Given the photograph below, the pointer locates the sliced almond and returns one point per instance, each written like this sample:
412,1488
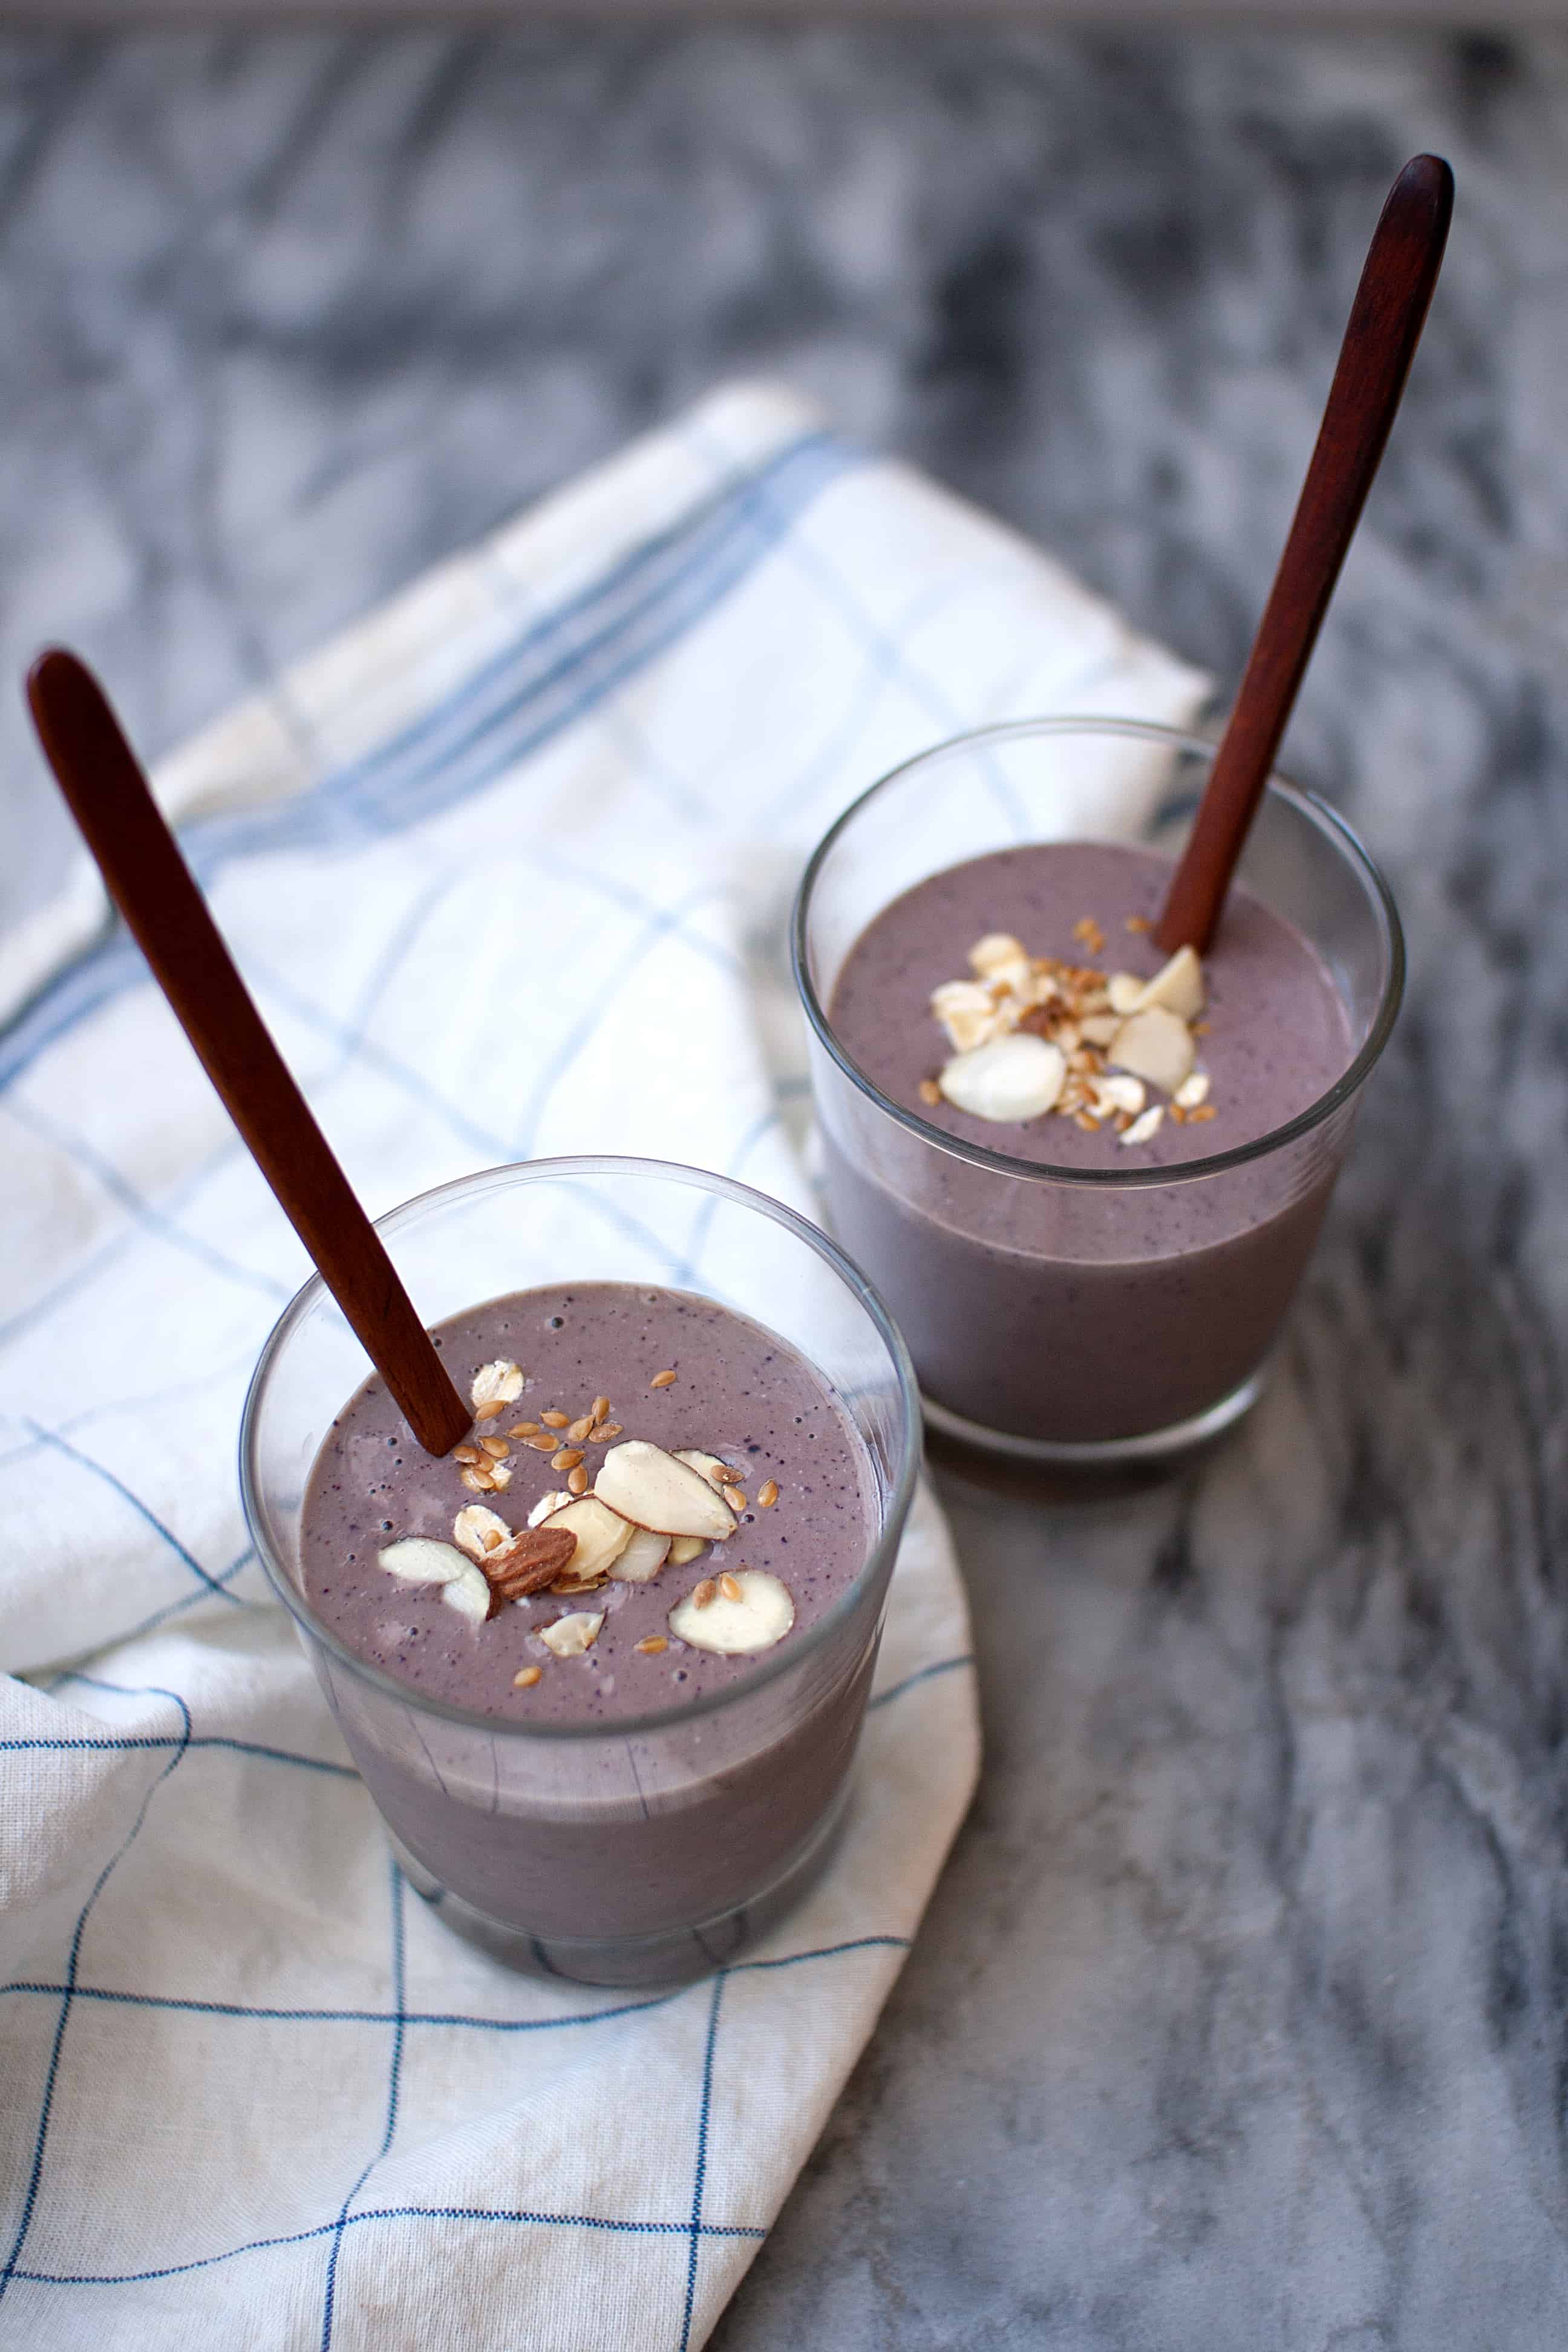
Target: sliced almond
1119,1093
496,1384
718,1475
469,1595
499,1475
570,1636
1143,1131
684,1549
601,1534
478,1530
1155,1045
1193,1090
1178,985
423,1559
761,1616
642,1558
547,1505
653,1489
966,1012
997,948
1013,1079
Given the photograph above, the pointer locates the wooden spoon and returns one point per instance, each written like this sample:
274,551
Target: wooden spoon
1385,324
151,883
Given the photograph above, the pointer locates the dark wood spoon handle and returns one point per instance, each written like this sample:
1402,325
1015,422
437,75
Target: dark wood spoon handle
1385,324
111,801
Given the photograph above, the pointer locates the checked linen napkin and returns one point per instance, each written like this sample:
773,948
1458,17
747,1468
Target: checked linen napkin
253,2094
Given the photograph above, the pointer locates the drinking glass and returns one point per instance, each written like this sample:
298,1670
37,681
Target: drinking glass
651,1848
1009,1277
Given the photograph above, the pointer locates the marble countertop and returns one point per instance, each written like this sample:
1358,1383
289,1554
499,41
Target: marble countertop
1239,2017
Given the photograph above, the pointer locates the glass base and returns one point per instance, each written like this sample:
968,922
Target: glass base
1151,1447
674,1956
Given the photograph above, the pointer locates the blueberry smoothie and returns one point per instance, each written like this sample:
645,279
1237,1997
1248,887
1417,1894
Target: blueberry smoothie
658,1501
1017,1002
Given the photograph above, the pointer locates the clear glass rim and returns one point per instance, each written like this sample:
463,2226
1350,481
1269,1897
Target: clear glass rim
1307,805
567,1169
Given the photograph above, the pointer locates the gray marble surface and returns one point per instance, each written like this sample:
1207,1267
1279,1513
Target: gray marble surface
1238,2020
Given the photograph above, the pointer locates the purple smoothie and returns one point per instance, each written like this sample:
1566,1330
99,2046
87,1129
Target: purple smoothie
1055,1311
540,1835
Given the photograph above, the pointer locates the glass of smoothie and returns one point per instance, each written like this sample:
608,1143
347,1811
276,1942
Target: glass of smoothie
603,1667
1085,1177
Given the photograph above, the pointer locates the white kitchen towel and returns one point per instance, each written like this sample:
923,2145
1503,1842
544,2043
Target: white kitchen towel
507,866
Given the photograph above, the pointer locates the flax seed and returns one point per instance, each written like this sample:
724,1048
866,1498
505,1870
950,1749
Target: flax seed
466,1453
728,1587
577,1482
651,1645
567,1459
528,1677
553,1420
662,1381
542,1444
489,1412
579,1428
524,1429
704,1593
496,1447
1203,1111
767,1493
603,1431
930,1091
600,1409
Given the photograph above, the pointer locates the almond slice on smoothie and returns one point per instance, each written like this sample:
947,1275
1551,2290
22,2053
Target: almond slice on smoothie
652,1489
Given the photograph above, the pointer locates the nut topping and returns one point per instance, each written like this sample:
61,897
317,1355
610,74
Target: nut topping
496,1384
760,1615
